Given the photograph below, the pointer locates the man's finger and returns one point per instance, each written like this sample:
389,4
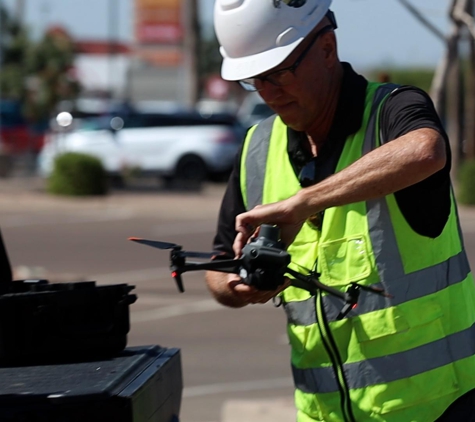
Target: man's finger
243,226
239,243
247,222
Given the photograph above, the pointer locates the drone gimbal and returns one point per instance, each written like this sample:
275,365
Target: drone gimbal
264,263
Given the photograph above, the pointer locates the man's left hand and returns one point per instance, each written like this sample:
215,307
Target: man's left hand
283,214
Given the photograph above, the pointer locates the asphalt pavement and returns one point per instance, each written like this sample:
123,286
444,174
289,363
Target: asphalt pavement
19,192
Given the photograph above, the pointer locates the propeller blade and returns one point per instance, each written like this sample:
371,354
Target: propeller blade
154,243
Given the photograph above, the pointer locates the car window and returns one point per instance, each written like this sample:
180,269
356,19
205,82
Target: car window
10,114
145,120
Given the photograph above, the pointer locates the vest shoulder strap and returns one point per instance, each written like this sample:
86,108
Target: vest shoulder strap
256,160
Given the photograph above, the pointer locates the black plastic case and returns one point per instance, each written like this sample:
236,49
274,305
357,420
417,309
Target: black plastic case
141,384
42,322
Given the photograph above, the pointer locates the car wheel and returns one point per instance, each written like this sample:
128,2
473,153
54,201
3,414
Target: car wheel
220,177
191,168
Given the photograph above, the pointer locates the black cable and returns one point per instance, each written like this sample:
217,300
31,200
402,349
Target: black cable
334,355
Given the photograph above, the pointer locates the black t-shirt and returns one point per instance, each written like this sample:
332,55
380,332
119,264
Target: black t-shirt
425,205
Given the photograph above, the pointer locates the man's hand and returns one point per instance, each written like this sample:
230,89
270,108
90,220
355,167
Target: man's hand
251,295
229,290
288,215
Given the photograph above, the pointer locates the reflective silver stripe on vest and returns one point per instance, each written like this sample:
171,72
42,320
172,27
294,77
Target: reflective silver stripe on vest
256,160
390,368
411,286
381,231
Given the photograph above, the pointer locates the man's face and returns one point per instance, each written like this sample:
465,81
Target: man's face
301,104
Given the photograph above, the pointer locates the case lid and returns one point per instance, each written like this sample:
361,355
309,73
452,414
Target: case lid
66,383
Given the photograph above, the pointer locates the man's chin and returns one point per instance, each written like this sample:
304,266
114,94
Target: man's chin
293,122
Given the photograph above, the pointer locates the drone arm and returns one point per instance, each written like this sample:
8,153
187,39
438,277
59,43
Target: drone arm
224,266
311,284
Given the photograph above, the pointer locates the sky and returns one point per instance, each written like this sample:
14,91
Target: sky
372,33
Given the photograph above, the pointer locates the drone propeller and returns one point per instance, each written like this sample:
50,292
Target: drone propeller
156,243
178,257
165,245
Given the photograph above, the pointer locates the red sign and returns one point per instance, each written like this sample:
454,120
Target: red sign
157,33
158,21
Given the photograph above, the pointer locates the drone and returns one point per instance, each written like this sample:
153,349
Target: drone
264,264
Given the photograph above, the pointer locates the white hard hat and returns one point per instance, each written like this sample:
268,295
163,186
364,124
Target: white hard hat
257,35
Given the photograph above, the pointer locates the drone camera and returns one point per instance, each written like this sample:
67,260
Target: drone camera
265,259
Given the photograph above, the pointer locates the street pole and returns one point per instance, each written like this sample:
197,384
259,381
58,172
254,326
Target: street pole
469,122
112,29
191,48
20,11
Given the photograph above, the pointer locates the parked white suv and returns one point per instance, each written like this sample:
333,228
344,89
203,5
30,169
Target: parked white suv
183,145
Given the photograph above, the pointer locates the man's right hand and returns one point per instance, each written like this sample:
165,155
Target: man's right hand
230,290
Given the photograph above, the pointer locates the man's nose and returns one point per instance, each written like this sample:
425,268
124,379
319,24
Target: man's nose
268,91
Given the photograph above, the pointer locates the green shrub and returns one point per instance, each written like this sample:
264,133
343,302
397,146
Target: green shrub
420,77
77,174
466,178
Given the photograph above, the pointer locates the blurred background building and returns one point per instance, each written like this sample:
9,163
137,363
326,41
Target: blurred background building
54,54
165,57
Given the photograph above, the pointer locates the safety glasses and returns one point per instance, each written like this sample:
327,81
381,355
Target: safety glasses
286,75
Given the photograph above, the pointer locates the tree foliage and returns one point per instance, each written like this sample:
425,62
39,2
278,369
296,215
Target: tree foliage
419,77
36,73
14,44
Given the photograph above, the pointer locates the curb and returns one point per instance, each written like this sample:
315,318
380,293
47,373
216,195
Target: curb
275,410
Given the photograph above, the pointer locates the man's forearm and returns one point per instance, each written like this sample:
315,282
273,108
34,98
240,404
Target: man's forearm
388,169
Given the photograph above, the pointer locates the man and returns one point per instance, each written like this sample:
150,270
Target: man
356,175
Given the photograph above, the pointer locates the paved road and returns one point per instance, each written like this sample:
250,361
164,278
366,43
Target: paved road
227,354
235,362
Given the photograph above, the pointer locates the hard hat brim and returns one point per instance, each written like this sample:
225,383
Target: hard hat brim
236,69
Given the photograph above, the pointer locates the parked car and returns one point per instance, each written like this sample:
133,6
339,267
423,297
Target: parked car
180,145
17,136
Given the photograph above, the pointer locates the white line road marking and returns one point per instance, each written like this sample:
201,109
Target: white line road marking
231,387
207,305
171,228
134,276
66,218
177,310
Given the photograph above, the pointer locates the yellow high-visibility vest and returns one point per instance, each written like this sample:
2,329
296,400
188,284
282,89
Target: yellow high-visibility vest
399,359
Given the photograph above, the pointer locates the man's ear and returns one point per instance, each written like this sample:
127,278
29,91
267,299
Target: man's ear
329,48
